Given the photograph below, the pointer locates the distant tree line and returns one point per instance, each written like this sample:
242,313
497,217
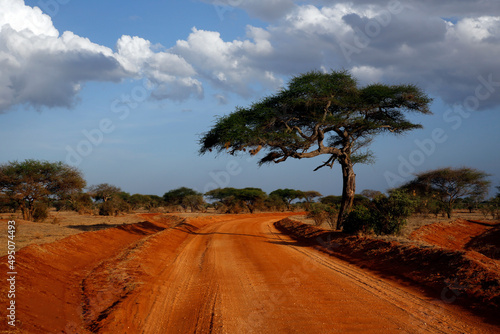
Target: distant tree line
32,187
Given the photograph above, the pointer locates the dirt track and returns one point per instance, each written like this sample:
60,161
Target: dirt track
238,274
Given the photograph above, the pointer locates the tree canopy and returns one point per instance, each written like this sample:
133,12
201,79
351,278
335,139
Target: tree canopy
288,195
319,114
448,184
32,182
184,197
230,197
104,192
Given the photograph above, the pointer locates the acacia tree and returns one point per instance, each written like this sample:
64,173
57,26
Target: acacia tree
287,195
232,197
449,184
319,114
104,192
32,182
184,197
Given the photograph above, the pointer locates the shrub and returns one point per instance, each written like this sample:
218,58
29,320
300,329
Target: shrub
317,213
40,212
491,208
391,212
360,219
113,207
322,213
107,209
383,215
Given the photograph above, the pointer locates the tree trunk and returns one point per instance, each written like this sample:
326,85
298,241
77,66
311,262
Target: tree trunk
27,209
348,191
449,209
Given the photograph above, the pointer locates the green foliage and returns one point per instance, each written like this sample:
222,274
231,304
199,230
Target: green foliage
137,201
184,197
275,203
391,212
80,202
371,194
449,184
113,207
315,104
195,202
104,192
491,208
40,212
318,113
288,195
107,209
32,181
7,204
360,219
235,200
323,213
331,200
383,215
152,202
337,200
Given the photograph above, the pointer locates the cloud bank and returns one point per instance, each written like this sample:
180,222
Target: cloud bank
446,47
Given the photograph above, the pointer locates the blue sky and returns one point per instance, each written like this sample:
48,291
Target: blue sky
123,89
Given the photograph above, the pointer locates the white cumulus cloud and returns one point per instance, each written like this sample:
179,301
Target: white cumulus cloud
231,66
446,47
39,67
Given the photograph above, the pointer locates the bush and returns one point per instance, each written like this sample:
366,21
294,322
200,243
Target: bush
40,212
322,213
491,208
317,212
360,219
7,204
383,215
113,207
391,212
107,209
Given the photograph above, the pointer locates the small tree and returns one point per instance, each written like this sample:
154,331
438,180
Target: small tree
235,199
180,197
275,203
287,195
32,183
103,192
137,201
80,202
449,184
309,196
195,202
371,194
321,213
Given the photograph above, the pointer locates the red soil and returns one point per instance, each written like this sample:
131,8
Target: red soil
452,235
218,274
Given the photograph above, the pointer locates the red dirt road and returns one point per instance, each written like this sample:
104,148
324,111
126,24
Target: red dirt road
238,274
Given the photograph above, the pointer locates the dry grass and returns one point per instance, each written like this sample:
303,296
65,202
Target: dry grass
57,226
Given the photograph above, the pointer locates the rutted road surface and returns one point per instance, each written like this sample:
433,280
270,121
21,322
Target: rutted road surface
241,275
221,274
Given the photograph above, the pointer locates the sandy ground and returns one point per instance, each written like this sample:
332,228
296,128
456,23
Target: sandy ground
213,274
